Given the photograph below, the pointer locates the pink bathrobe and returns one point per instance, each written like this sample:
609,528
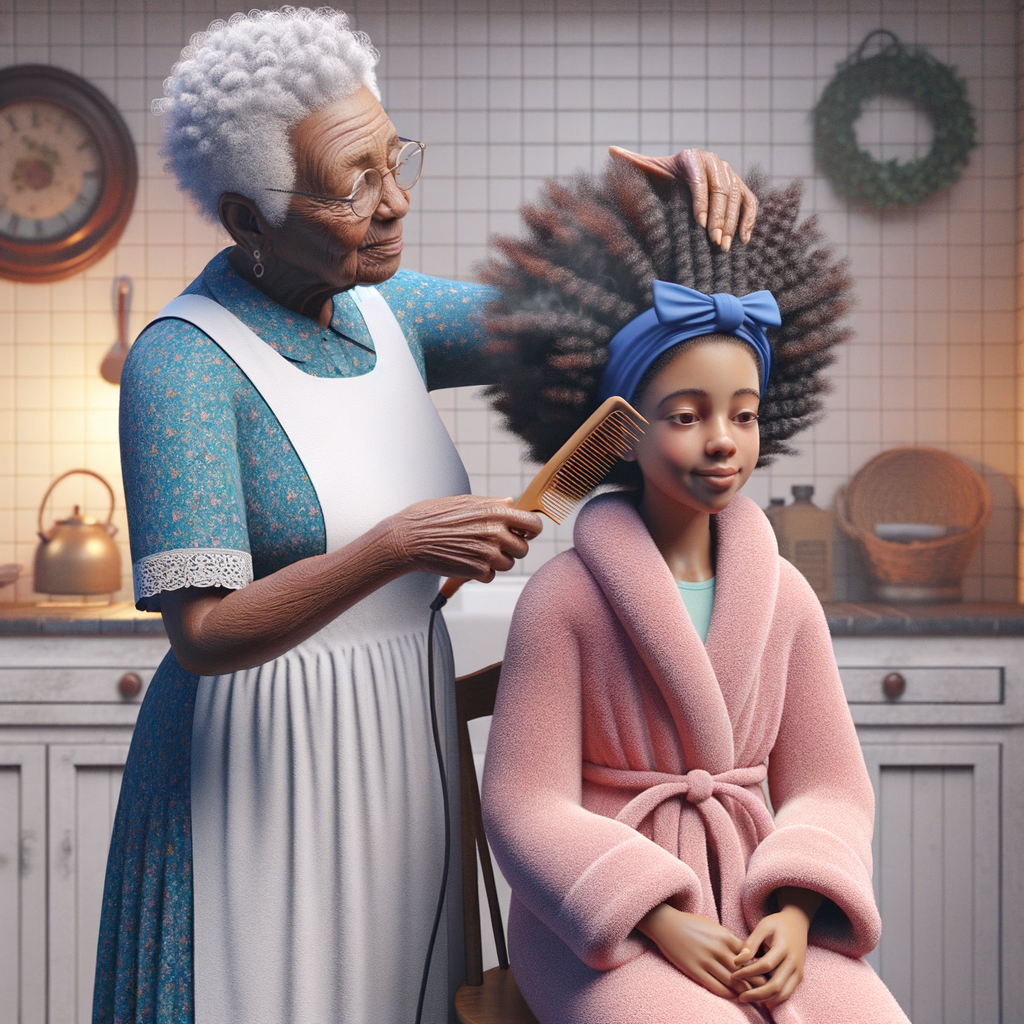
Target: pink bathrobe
622,751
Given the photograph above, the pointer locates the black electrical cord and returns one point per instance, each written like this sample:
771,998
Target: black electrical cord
435,606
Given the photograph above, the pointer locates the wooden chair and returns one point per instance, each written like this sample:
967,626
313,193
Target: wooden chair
486,997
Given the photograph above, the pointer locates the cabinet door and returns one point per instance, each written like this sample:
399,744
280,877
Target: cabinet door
22,884
84,784
936,877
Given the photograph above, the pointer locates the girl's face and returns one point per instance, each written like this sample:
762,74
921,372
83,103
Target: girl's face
702,443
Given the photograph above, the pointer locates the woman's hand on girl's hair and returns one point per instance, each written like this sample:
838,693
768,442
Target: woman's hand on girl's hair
785,936
699,947
719,193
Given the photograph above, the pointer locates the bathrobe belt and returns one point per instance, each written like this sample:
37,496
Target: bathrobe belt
700,788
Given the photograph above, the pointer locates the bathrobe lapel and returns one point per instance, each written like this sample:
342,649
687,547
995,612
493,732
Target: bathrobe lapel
746,590
706,689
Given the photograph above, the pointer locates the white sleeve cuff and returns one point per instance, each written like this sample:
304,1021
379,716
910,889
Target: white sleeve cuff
189,567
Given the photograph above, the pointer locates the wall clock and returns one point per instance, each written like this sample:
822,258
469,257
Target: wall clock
68,173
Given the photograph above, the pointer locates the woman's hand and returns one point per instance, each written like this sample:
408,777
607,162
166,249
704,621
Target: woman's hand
215,631
785,936
719,193
466,536
701,948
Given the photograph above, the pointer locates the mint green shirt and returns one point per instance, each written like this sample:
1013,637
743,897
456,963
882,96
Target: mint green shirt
699,599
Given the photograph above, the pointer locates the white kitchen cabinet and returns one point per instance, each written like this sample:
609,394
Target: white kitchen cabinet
85,780
946,759
23,883
936,850
64,734
947,765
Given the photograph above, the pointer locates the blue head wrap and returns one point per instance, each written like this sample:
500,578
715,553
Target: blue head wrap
680,313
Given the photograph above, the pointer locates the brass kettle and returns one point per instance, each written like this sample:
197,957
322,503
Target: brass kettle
78,554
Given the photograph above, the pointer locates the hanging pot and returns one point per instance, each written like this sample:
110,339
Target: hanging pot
77,555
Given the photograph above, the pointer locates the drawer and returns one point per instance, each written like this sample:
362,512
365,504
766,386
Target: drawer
972,684
61,685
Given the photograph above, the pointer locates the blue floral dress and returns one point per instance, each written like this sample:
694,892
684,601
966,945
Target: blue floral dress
216,496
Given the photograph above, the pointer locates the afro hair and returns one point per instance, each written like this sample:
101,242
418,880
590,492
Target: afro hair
594,246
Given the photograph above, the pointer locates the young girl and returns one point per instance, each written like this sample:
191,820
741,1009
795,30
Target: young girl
657,673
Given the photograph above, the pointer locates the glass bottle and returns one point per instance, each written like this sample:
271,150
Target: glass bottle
804,534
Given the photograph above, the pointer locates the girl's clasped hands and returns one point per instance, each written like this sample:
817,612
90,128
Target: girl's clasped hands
726,965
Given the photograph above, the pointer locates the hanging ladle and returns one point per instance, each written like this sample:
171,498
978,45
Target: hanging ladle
113,361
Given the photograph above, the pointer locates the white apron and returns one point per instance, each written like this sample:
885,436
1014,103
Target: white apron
317,825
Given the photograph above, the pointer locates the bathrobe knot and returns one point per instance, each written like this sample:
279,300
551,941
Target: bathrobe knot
698,787
702,786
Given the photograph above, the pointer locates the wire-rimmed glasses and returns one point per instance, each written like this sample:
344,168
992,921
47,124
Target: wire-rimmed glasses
369,186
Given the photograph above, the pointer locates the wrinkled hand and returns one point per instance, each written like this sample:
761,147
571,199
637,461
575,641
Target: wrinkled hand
466,536
719,193
701,948
785,935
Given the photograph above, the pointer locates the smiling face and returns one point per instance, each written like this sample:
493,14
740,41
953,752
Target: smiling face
326,241
702,443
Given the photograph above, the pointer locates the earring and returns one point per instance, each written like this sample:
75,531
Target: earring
258,267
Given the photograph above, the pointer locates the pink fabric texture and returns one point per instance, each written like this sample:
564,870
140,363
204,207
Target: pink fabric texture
622,750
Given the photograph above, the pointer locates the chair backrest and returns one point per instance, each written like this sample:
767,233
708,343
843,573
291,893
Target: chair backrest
474,698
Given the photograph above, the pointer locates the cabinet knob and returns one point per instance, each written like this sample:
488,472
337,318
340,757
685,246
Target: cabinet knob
130,684
893,685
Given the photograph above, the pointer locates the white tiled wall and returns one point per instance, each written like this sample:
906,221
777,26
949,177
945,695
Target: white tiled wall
507,92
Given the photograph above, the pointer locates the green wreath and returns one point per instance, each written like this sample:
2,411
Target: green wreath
896,70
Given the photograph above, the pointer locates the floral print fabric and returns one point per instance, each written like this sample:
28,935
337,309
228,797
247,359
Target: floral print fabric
208,468
205,462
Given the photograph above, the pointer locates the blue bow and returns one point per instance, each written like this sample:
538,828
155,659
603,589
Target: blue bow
680,313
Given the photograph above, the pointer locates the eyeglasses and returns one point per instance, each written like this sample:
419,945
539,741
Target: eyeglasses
369,186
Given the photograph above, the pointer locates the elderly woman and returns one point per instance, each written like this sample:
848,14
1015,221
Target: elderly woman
293,498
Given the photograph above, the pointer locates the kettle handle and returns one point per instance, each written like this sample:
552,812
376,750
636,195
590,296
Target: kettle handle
72,472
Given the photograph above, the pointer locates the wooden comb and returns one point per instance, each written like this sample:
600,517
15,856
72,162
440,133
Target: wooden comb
578,466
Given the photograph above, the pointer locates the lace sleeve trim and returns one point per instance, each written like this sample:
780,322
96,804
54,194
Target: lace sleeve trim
190,567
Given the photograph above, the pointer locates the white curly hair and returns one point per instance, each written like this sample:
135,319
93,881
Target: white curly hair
239,89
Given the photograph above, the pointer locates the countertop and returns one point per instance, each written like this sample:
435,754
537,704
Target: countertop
962,619
844,619
77,620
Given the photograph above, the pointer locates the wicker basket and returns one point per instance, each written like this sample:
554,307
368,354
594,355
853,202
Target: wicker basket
916,485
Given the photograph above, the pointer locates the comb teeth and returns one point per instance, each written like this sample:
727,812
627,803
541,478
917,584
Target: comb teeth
589,464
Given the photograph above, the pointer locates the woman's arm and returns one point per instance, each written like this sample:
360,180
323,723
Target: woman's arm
442,318
188,518
215,631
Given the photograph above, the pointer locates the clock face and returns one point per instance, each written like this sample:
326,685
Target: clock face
68,173
50,171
